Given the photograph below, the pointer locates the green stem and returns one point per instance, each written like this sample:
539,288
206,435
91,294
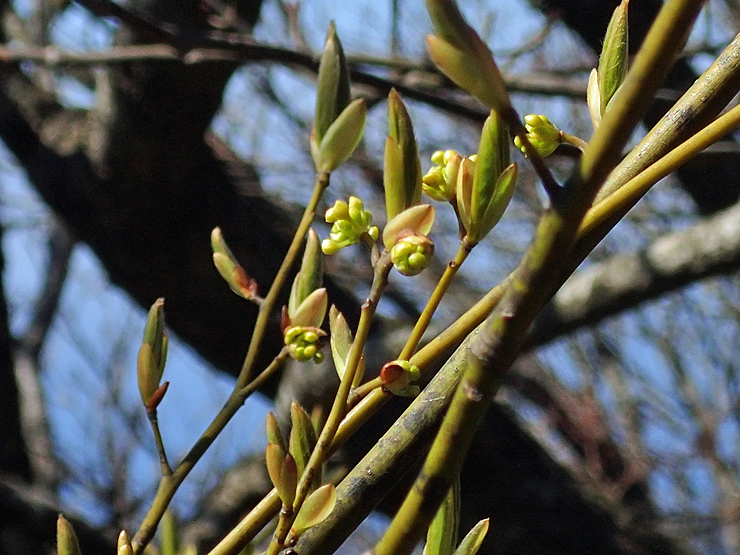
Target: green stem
267,306
169,484
426,316
164,465
573,140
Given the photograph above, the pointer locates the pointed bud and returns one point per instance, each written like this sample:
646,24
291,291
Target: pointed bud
342,137
67,543
333,94
614,56
152,353
311,274
461,55
230,270
317,508
474,71
473,540
124,544
274,435
401,168
302,440
274,457
592,98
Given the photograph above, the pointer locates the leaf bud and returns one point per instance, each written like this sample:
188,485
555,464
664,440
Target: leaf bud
613,60
226,264
401,167
152,354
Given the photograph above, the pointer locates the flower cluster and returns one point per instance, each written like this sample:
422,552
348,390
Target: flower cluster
543,135
349,222
304,343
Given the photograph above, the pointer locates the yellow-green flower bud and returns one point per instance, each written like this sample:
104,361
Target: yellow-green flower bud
614,56
440,181
397,377
412,253
304,343
544,136
152,353
349,223
66,539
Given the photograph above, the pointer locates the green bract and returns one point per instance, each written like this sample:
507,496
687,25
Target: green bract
341,138
310,276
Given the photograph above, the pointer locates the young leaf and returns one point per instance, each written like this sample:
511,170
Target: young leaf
302,438
317,507
442,533
473,540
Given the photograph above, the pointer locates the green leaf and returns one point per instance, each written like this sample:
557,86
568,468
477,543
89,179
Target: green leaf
124,544
402,172
473,540
302,439
442,533
343,136
311,274
419,219
340,339
317,507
